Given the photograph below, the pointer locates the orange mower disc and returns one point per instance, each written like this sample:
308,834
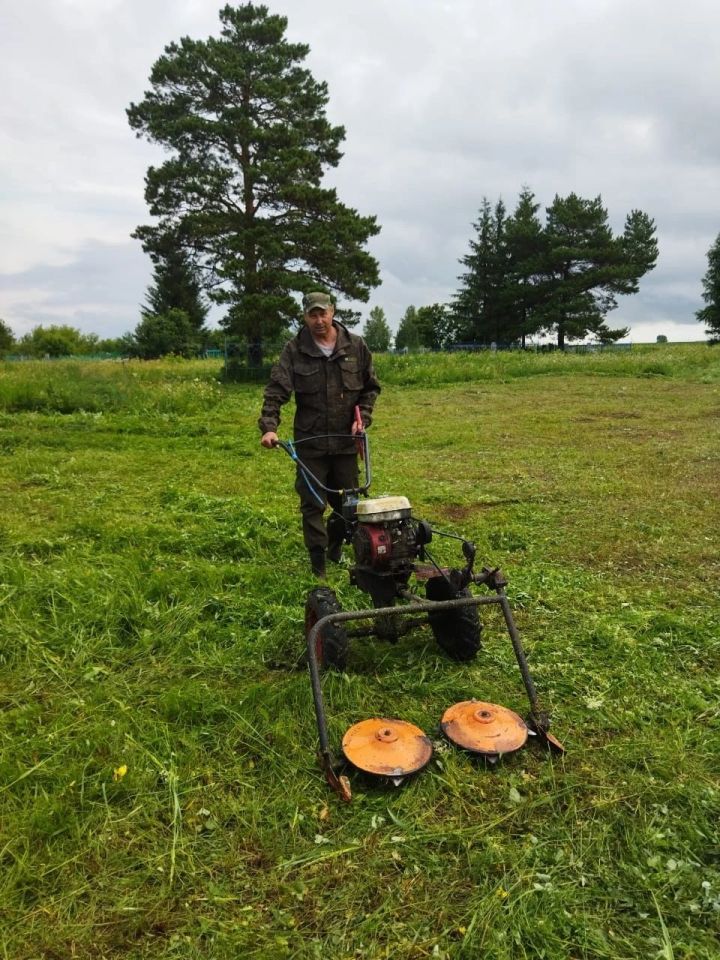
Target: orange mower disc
387,748
484,727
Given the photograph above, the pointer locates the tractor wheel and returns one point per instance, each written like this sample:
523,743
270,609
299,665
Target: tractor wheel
456,631
332,643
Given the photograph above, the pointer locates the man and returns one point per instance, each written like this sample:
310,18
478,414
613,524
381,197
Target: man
330,371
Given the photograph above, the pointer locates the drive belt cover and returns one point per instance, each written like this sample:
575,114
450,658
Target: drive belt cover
387,748
484,727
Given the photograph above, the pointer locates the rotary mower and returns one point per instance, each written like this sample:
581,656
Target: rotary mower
391,555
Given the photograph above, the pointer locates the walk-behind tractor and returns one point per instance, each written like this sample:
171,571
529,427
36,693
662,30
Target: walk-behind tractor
391,548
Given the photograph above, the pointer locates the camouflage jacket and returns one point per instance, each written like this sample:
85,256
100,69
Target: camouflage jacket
326,389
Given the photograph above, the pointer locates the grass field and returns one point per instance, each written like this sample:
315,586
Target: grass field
159,793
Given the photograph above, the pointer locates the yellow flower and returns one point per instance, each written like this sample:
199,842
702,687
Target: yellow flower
119,772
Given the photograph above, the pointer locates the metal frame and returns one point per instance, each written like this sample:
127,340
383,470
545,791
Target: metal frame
538,719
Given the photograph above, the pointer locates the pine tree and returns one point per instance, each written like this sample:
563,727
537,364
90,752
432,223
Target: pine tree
246,127
710,313
585,267
376,332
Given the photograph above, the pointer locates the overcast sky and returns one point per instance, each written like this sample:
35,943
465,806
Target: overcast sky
444,102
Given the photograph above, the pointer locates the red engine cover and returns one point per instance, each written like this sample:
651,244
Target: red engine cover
379,543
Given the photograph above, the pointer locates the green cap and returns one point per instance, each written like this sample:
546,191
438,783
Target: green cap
316,300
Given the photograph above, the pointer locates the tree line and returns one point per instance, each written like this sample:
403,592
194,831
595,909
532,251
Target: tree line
523,278
56,340
173,318
241,194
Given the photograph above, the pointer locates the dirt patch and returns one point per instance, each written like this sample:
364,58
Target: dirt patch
610,415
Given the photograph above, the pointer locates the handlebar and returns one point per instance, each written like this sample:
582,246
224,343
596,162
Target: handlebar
363,449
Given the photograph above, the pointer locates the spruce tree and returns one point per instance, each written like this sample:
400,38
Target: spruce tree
710,313
478,309
376,332
524,292
578,238
638,251
249,141
408,335
176,285
469,303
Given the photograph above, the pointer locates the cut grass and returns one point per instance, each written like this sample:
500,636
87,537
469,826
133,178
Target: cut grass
152,582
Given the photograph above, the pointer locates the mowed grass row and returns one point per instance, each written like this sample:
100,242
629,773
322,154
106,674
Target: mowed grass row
159,793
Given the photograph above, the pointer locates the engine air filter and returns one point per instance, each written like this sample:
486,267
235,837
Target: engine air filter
382,509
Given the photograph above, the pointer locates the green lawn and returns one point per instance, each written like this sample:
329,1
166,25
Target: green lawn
159,792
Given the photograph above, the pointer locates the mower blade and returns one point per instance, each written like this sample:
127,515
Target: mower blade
538,725
552,742
340,784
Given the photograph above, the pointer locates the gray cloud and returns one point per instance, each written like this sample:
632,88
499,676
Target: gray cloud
443,103
98,291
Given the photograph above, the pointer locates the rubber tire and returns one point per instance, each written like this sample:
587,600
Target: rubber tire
457,631
333,643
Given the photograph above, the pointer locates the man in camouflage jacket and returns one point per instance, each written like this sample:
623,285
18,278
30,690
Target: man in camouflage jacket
330,371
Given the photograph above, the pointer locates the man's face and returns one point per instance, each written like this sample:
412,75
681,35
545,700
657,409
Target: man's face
319,321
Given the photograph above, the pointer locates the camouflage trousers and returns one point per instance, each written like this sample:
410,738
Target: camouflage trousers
339,472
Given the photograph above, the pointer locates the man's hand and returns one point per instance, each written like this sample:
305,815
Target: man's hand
269,439
357,424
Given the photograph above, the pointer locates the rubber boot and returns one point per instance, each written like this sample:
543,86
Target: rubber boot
336,538
334,553
317,561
